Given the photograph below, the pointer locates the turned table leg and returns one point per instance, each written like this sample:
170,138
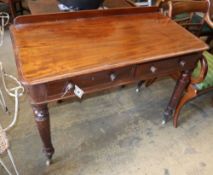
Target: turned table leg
181,85
43,124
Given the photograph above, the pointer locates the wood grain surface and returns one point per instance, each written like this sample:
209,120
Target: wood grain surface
47,51
98,50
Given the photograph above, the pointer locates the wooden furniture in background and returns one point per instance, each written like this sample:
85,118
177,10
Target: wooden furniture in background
61,53
51,6
191,5
185,14
118,3
202,82
209,20
210,13
15,7
43,6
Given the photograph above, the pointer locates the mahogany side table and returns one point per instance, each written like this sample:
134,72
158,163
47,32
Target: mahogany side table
64,55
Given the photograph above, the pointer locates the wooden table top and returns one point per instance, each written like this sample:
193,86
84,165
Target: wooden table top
51,6
55,46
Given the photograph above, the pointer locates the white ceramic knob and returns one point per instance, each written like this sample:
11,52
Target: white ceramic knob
153,69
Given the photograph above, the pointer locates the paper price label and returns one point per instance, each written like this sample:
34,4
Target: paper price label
78,92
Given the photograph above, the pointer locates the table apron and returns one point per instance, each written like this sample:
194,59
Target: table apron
102,80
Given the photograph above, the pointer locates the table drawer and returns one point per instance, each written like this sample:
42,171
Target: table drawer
90,80
166,67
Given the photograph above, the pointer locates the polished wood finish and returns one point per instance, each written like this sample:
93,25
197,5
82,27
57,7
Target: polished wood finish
43,6
190,7
211,9
40,18
99,45
118,3
98,50
181,85
191,90
51,6
180,7
43,124
209,16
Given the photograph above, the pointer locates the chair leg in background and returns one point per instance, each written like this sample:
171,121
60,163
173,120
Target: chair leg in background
189,95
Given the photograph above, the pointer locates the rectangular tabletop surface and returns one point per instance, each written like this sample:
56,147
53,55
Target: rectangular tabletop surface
55,49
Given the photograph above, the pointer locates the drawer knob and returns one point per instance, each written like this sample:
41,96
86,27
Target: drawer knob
112,77
153,69
182,63
68,88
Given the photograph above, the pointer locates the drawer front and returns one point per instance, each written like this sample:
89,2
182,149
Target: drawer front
58,88
165,67
92,82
